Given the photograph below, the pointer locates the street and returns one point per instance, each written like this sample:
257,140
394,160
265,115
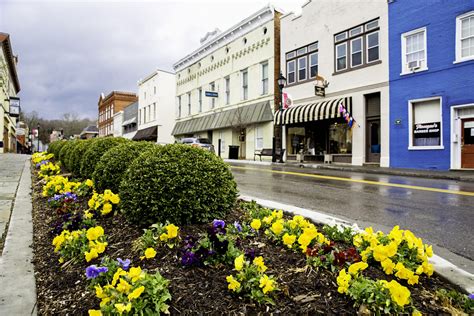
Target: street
439,211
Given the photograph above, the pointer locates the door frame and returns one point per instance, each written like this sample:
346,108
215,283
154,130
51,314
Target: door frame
464,120
455,135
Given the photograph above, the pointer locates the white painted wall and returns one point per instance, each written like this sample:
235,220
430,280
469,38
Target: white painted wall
118,121
319,21
156,99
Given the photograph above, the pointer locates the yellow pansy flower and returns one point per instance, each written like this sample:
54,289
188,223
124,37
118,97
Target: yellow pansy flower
94,312
239,262
115,199
149,253
106,209
256,224
117,275
356,267
123,286
258,261
123,308
104,301
172,231
234,285
136,293
134,273
99,292
288,240
277,227
343,280
94,232
266,284
90,255
89,182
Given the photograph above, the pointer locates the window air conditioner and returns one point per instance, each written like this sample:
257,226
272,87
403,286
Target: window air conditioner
414,65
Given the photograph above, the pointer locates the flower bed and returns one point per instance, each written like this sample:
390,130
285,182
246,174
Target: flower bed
253,260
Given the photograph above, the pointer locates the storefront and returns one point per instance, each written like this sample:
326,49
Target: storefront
317,130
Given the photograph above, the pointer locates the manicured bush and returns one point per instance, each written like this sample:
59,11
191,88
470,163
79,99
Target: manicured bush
77,153
95,151
55,148
67,157
52,146
111,167
177,183
65,150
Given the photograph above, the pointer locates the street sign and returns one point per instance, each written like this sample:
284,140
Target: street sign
211,94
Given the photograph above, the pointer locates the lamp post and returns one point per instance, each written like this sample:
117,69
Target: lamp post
281,84
38,129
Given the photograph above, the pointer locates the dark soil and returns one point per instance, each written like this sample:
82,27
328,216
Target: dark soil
63,290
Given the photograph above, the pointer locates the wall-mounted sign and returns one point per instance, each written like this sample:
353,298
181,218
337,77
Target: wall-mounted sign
398,121
14,106
211,94
319,91
427,130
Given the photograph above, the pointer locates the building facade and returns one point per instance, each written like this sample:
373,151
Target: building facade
130,121
225,88
89,132
432,84
156,95
334,56
9,88
109,105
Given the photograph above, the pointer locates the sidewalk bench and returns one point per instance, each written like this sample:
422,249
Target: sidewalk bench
266,152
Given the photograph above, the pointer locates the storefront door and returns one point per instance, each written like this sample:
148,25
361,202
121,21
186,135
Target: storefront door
373,141
467,143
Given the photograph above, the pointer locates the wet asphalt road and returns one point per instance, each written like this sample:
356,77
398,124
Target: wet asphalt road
442,219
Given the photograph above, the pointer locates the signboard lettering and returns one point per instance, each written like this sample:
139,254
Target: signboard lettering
211,94
427,130
319,91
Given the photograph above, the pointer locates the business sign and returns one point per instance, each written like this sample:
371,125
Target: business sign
14,107
319,91
427,130
211,94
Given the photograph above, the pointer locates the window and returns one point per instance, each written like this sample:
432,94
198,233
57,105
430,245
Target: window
302,68
227,90
200,99
144,95
425,124
144,115
245,84
179,106
153,113
465,37
313,65
212,87
290,72
356,52
341,56
357,47
302,63
265,78
414,51
189,103
139,116
259,138
154,90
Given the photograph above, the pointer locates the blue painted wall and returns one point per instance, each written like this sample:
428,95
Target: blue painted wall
453,82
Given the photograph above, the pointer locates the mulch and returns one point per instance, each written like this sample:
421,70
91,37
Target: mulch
63,290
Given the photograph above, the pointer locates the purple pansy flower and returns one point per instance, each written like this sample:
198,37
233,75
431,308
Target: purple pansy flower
93,271
125,264
471,296
238,226
218,223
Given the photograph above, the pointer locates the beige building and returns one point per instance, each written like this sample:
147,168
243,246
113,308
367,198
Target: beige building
9,88
225,88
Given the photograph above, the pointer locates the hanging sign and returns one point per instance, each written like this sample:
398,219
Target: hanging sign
14,107
211,94
427,130
319,91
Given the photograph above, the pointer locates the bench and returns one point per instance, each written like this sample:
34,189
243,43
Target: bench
266,152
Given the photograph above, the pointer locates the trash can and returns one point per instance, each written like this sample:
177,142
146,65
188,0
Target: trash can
233,152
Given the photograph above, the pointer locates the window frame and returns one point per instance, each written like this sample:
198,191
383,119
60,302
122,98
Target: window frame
245,84
459,58
265,80
189,103
410,124
288,72
227,90
305,58
179,106
310,65
259,136
368,47
361,51
212,88
293,58
337,58
200,99
404,36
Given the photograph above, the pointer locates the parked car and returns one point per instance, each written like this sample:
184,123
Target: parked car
204,143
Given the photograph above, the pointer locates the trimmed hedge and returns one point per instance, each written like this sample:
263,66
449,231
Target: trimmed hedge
111,167
64,151
95,151
178,183
68,155
55,147
77,153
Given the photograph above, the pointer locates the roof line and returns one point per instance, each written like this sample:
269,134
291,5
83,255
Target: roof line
7,47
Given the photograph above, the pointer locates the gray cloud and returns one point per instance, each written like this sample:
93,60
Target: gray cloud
71,51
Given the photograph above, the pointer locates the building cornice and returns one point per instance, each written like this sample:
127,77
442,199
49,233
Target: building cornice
252,22
153,74
7,48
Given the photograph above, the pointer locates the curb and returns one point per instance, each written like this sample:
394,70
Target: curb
18,291
384,171
443,267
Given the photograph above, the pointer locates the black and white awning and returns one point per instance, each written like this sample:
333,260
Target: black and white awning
313,111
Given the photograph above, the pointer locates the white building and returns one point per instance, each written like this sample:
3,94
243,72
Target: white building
224,89
346,43
156,95
118,120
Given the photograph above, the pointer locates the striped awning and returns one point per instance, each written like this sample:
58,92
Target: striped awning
313,111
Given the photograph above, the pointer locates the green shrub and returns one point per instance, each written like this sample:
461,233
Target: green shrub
178,183
95,151
64,151
75,158
111,167
52,146
67,157
58,147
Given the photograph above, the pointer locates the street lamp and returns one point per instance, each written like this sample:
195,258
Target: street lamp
281,84
38,129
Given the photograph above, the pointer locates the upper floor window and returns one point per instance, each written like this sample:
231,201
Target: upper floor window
179,106
302,63
154,89
212,87
245,84
227,90
358,46
414,57
265,78
465,37
200,99
189,103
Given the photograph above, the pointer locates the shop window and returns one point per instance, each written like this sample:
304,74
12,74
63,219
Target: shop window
340,138
259,138
425,124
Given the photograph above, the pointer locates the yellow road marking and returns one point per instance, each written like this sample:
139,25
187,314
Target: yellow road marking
386,184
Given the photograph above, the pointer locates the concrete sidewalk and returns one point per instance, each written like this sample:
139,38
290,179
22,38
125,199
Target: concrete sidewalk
456,175
18,290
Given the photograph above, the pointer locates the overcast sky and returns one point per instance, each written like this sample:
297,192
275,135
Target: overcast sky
71,51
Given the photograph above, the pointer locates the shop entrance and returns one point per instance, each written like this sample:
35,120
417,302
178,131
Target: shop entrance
372,110
467,143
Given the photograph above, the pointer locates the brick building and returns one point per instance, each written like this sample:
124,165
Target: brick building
109,105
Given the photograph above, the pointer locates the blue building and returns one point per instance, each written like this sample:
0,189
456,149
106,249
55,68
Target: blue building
431,84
